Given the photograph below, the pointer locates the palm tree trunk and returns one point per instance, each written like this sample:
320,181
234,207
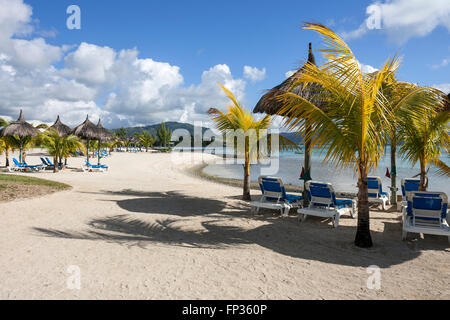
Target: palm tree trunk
423,175
363,238
394,172
7,156
246,194
55,164
307,166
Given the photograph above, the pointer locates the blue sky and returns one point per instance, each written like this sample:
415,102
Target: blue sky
185,39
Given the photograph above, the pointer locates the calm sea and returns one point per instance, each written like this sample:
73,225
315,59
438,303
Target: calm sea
343,179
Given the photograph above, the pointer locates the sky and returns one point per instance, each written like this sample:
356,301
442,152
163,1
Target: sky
140,62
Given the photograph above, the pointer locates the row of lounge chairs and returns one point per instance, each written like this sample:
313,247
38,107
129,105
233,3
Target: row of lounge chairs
47,164
422,212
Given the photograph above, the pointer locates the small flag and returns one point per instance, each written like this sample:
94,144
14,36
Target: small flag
388,174
303,173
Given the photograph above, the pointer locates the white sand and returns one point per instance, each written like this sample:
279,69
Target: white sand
147,230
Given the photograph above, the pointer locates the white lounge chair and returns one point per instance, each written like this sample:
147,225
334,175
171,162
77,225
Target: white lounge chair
426,213
323,203
408,186
376,193
274,196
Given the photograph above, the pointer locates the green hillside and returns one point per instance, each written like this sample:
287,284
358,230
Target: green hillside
153,128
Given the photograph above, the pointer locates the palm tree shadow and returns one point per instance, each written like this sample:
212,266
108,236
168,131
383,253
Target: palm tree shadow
312,240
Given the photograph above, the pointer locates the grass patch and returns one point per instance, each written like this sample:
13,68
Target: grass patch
21,187
31,181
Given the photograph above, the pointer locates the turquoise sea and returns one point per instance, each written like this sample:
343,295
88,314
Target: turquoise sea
343,179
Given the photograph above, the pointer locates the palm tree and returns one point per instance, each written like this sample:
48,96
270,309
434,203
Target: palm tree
146,138
239,119
164,135
5,142
349,125
425,139
401,97
60,147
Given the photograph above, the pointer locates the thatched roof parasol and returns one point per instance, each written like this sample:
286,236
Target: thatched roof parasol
447,103
105,135
61,128
19,128
87,130
270,105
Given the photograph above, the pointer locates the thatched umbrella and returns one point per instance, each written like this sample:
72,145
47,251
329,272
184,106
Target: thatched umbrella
105,136
87,131
61,128
20,129
269,104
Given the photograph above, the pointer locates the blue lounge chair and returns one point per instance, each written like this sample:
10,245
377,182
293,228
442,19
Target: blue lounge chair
89,167
408,186
24,166
426,213
376,193
274,196
323,203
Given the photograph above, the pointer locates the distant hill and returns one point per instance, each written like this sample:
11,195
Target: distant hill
153,128
190,128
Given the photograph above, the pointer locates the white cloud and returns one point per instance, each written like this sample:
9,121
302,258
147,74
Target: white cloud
445,62
365,68
118,86
89,63
254,74
444,87
404,19
290,73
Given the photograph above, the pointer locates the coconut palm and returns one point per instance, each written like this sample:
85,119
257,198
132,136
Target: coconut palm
401,98
348,127
146,138
239,119
60,147
425,139
164,135
5,146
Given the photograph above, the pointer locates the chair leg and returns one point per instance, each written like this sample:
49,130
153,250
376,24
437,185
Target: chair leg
384,205
404,235
336,221
286,212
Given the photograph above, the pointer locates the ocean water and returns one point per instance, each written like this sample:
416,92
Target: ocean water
343,179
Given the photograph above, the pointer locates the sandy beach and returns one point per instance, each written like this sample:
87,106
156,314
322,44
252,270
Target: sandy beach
149,229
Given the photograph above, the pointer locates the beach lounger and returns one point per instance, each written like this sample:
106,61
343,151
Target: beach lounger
17,166
426,213
24,167
90,167
376,193
323,203
408,186
35,167
274,197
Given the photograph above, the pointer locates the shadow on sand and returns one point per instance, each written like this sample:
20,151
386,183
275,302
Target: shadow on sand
223,227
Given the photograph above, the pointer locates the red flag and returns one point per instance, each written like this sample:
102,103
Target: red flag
388,174
303,173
